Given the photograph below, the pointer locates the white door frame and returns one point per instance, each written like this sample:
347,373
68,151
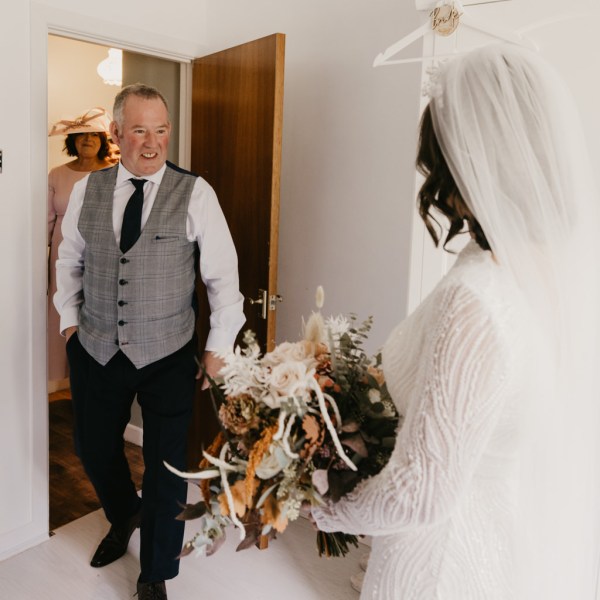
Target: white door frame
45,20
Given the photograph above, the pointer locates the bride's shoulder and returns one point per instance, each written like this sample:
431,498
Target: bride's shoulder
475,286
476,274
473,265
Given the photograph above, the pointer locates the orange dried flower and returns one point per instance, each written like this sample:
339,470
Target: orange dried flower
213,450
241,499
256,455
271,515
315,434
311,428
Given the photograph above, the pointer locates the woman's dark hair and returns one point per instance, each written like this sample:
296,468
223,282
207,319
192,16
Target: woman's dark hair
71,149
440,191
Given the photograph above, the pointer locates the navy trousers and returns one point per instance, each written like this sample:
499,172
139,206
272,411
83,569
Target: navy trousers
102,398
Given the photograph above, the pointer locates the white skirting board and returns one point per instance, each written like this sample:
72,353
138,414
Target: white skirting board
134,434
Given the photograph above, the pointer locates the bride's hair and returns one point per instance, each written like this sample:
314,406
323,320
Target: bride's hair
440,191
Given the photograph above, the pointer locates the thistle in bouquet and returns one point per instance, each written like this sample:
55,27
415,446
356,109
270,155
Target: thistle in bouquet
300,424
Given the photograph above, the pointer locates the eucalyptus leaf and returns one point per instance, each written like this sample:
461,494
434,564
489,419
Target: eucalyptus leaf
188,548
252,535
191,511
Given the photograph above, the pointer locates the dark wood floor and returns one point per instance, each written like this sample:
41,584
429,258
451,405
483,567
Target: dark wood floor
71,494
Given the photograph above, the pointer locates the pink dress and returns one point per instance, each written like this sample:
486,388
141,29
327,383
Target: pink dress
60,183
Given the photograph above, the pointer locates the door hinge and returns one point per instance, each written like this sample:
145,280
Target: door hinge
273,300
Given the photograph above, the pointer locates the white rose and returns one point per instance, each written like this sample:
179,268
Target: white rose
286,351
290,379
272,463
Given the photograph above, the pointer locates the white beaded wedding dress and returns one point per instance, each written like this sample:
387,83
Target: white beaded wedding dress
441,511
493,488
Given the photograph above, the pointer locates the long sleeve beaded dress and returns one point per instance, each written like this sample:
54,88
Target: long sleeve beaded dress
441,512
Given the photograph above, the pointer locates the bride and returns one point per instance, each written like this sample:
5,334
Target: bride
493,490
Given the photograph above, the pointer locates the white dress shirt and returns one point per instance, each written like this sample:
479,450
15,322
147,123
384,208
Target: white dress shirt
205,224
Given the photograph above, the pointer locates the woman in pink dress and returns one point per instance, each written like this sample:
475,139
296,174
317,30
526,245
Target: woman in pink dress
87,141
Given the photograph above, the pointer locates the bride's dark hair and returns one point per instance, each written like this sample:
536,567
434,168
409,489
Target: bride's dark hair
440,191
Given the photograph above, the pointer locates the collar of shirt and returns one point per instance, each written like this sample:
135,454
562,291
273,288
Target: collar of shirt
123,190
123,176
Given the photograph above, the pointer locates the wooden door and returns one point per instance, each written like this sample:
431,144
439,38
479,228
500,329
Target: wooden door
237,110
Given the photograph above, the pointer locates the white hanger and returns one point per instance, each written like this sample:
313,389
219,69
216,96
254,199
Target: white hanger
465,20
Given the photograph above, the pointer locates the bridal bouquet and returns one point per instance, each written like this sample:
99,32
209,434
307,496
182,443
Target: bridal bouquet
302,423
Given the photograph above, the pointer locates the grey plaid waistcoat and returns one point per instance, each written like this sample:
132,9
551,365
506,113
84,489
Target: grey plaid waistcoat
139,302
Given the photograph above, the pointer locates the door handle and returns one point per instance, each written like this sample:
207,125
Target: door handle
262,300
265,305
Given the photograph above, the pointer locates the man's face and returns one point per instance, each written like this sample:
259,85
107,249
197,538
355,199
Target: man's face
143,137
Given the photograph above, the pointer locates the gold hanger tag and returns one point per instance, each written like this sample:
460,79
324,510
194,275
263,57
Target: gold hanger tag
445,19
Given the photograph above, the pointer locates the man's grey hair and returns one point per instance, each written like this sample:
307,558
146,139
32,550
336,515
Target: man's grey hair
136,89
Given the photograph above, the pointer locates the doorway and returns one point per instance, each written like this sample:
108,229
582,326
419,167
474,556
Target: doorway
250,145
75,86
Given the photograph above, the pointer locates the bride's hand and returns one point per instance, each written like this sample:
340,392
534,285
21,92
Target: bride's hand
307,510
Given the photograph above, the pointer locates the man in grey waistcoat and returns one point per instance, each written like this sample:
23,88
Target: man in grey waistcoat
126,288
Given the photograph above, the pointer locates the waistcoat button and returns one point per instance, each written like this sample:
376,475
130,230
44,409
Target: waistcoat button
123,261
121,303
121,323
122,281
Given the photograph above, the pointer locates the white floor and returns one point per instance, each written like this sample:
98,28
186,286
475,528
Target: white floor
289,569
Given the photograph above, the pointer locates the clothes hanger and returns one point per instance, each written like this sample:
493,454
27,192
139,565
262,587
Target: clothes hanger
445,23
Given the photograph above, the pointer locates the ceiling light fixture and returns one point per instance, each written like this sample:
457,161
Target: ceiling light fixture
111,68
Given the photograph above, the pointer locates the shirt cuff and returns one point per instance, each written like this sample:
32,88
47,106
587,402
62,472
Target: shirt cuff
70,318
220,340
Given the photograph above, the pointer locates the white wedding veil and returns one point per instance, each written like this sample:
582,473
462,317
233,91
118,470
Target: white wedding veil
511,136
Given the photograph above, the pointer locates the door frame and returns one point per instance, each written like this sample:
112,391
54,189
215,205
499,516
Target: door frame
45,20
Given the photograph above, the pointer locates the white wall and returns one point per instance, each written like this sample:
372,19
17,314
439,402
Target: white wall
178,20
348,152
22,476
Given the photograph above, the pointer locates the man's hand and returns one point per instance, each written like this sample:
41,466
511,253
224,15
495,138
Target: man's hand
69,331
212,364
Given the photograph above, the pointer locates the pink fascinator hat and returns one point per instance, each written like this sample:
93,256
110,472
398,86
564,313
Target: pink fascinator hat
94,120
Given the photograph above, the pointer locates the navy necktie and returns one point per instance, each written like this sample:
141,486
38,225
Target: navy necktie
132,217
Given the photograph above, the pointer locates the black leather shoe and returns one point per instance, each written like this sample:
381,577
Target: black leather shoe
114,545
152,591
